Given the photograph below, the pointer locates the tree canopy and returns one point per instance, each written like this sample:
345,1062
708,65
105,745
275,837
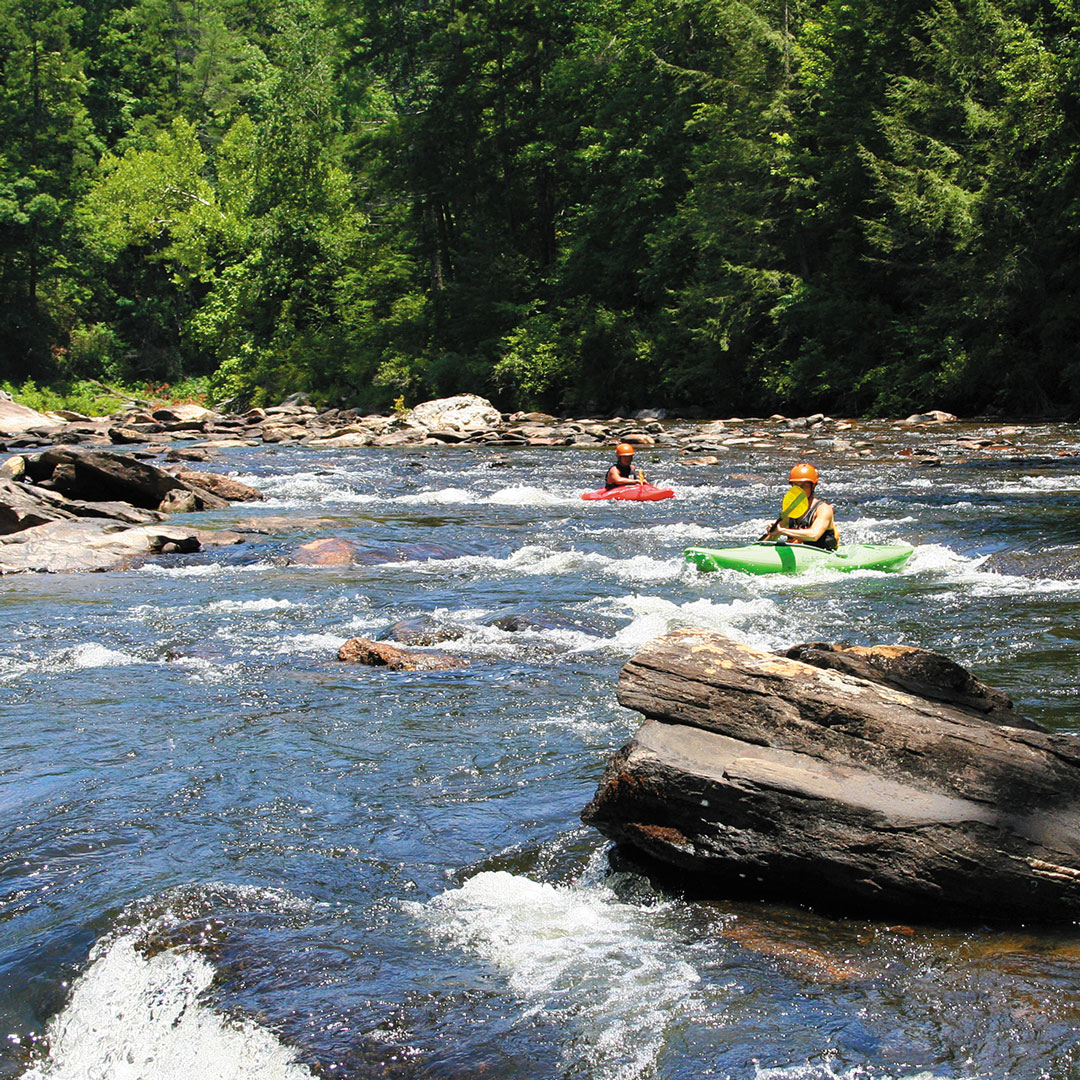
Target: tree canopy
577,205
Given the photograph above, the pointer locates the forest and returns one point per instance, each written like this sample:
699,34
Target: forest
863,207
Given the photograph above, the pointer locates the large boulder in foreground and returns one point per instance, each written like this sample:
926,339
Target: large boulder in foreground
871,781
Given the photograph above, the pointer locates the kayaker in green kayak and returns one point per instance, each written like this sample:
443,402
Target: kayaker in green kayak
815,525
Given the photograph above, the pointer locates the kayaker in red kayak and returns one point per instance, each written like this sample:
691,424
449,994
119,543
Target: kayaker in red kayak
816,525
622,472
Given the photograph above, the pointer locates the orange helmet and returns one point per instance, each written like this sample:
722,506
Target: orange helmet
803,472
624,449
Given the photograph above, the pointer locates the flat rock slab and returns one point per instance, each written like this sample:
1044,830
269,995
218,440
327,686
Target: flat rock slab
829,784
16,418
89,544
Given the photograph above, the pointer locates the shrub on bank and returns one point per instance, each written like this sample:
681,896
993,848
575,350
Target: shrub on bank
93,398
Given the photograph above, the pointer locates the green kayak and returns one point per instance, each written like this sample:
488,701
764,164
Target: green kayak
768,557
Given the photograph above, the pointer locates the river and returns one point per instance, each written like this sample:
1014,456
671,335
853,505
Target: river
223,853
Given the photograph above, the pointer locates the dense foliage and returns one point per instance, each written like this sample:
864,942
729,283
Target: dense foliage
581,205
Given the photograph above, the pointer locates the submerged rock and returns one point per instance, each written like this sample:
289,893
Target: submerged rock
327,551
545,621
1060,565
422,630
837,786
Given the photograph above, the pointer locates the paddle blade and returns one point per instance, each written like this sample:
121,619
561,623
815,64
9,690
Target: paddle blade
795,503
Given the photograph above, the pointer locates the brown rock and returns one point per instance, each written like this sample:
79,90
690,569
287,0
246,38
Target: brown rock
329,551
224,487
380,654
179,501
277,433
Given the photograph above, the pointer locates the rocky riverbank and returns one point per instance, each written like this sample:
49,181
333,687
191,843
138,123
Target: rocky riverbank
74,508
467,419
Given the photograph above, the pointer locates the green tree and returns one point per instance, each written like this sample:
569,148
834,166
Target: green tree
975,175
157,60
46,140
274,319
152,224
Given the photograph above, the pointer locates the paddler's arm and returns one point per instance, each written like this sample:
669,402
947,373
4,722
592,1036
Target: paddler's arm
616,478
772,532
823,520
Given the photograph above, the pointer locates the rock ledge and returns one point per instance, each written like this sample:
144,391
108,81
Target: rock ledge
818,778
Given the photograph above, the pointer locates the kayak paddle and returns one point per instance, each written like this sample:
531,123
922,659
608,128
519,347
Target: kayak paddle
794,505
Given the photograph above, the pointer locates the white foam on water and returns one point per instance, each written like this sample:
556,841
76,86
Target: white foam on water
645,568
529,560
437,497
761,622
488,639
938,558
991,583
870,530
967,571
1037,485
523,495
265,604
201,670
133,1018
89,655
602,971
308,645
825,1071
675,530
204,569
292,490
13,668
352,498
535,560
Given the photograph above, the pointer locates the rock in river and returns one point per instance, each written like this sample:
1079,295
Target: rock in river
887,781
379,654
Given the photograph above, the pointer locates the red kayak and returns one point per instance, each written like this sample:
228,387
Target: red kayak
633,492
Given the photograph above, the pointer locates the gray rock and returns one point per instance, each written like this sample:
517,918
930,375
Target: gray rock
463,412
88,544
16,419
823,787
422,630
1053,565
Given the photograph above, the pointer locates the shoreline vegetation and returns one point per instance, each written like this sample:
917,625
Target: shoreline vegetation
584,209
94,400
